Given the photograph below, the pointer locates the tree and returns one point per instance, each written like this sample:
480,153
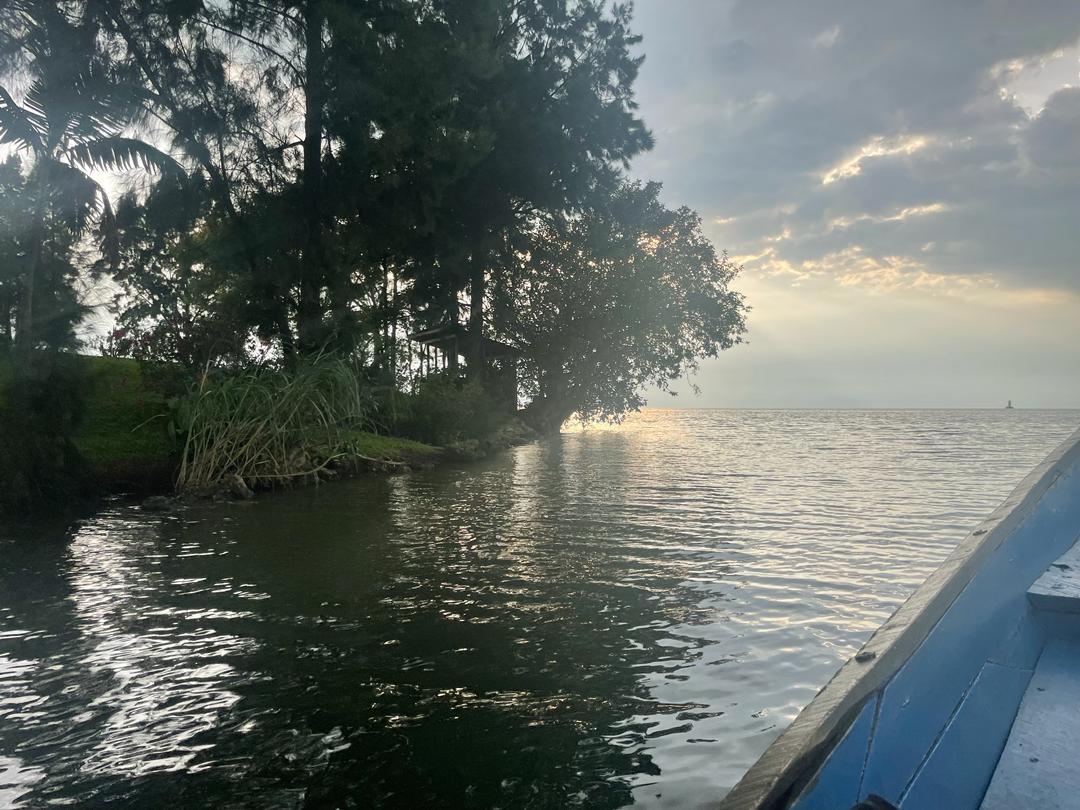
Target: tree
626,295
466,119
549,97
72,121
212,83
243,88
349,143
313,271
14,223
175,305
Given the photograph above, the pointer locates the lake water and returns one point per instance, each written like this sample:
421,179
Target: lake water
618,615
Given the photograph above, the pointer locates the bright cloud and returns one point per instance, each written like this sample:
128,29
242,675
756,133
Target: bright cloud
899,216
878,147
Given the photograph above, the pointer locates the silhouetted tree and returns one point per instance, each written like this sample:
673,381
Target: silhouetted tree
175,304
14,224
532,111
356,165
71,121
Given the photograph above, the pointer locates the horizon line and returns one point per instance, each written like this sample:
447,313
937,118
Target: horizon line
854,408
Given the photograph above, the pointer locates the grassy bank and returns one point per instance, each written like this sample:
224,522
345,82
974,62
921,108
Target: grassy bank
122,433
124,436
393,448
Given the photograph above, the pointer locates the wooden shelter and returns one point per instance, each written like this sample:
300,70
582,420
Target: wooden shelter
444,347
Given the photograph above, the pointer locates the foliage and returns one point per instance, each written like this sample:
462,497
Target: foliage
564,123
330,175
40,403
173,305
338,142
629,294
445,409
269,426
71,120
59,266
15,214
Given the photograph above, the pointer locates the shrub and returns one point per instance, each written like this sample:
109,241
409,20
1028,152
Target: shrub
445,409
40,406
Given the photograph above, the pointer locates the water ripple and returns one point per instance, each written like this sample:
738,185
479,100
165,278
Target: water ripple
617,615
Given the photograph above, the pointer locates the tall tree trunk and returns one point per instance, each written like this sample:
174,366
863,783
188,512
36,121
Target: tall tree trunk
393,335
382,333
6,304
477,291
285,336
24,321
309,314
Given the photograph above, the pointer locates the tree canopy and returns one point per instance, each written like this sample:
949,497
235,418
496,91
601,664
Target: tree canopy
310,175
627,295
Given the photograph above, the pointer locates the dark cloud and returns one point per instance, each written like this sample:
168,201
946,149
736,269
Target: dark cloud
755,102
1053,139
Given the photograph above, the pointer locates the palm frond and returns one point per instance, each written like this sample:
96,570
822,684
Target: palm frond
78,199
115,153
18,125
78,102
34,99
104,109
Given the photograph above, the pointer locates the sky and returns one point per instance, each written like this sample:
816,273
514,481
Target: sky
900,182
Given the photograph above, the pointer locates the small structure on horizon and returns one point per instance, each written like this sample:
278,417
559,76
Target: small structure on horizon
1009,406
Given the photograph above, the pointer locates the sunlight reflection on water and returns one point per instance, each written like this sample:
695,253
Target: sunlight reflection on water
619,614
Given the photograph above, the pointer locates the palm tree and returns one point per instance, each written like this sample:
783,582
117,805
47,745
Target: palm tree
72,120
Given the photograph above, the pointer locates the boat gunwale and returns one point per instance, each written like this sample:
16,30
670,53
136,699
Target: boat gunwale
792,760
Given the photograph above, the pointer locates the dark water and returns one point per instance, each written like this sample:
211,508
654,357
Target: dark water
615,616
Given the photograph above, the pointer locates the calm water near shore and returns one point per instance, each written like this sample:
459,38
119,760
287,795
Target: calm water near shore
618,615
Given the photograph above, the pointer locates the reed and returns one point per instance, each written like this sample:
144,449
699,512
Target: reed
269,426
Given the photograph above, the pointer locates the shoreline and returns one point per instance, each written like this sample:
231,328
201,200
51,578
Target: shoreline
128,450
398,457
150,485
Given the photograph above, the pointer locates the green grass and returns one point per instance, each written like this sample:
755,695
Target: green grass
390,448
124,417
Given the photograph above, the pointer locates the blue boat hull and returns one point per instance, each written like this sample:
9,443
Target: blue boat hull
922,714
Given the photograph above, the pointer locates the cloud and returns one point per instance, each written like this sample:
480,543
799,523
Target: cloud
918,144
877,147
900,216
1052,141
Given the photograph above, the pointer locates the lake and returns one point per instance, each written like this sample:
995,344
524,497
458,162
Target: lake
618,615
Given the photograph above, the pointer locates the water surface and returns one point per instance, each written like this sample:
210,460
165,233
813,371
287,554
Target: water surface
614,616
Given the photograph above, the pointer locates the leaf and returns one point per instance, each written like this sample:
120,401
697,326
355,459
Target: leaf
115,153
80,199
19,126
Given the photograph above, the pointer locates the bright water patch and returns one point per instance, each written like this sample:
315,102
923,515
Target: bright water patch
616,615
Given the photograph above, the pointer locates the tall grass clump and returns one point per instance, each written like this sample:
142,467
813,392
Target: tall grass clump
268,426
